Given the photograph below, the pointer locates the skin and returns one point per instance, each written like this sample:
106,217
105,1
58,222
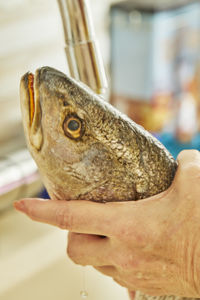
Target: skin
150,245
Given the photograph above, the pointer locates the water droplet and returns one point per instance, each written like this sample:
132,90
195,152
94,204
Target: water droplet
84,294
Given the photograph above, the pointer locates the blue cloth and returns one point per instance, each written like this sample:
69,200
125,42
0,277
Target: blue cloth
43,194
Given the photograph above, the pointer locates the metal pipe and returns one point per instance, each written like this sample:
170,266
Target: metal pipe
83,56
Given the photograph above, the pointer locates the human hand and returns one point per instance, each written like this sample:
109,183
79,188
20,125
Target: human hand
150,245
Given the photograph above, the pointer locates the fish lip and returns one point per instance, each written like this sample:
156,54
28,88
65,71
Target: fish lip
28,87
30,83
31,93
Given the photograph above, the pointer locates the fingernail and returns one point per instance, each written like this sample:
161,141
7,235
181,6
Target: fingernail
19,205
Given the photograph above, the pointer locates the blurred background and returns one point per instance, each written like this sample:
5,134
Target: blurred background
151,57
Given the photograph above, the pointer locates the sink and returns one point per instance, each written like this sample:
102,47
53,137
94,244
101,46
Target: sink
34,265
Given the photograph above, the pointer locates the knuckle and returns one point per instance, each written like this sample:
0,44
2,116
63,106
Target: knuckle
30,211
64,218
188,154
61,218
189,158
189,164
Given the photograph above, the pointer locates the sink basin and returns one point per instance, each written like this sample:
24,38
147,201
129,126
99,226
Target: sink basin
34,265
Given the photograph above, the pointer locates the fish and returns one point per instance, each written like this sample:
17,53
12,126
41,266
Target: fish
86,149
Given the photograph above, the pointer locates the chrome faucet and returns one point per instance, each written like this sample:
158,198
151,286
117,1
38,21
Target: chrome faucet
83,56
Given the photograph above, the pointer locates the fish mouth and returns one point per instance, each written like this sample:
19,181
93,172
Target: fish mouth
28,97
31,97
31,108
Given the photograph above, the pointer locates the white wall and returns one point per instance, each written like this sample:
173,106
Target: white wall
31,36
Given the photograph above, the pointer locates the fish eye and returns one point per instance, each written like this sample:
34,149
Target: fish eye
73,127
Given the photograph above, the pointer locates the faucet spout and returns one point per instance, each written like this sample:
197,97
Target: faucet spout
83,55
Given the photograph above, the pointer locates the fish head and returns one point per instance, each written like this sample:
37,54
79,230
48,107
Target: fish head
75,138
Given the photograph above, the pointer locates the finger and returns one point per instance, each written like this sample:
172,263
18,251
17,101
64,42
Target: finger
107,270
189,156
85,249
189,159
76,216
189,165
